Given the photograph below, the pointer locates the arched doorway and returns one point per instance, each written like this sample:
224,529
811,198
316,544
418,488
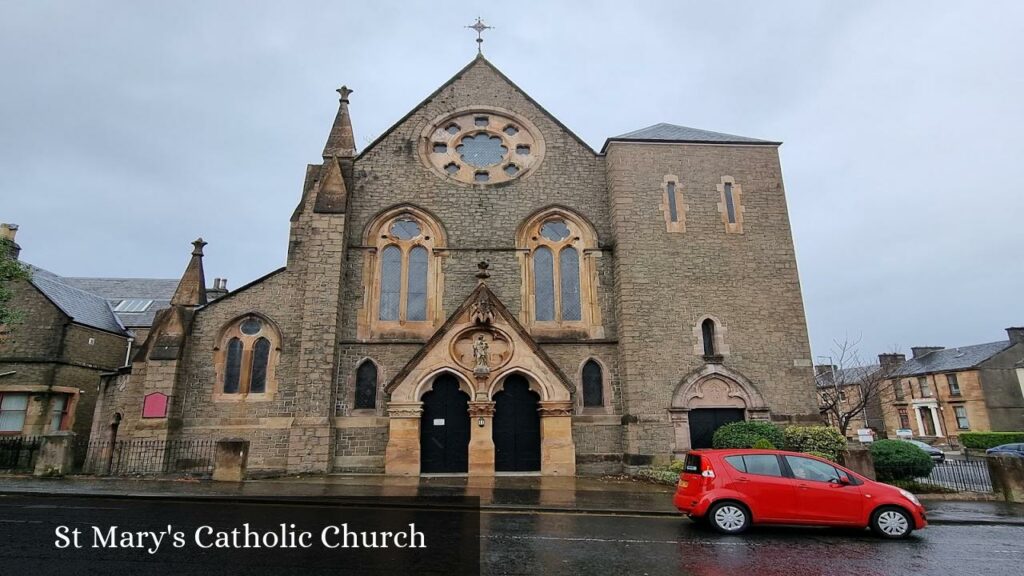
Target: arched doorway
516,427
708,399
444,428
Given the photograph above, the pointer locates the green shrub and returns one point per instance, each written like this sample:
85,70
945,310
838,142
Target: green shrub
821,455
764,444
676,466
896,460
985,440
823,440
746,435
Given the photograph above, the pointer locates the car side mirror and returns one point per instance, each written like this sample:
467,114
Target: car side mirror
842,481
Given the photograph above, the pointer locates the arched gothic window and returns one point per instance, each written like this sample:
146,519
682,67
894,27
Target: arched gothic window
707,329
366,386
593,385
557,252
402,273
246,357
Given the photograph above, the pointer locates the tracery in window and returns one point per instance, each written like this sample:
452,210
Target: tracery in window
558,253
402,274
245,358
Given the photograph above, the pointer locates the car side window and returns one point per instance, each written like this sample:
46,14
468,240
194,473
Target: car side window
762,464
807,469
736,462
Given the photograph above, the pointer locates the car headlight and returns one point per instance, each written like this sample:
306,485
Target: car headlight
910,497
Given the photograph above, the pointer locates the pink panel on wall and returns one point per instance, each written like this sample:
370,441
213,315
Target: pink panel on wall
154,405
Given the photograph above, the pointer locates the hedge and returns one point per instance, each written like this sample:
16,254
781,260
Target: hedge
985,440
823,441
896,460
747,434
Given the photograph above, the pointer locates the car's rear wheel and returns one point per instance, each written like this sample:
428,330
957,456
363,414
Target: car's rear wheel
891,522
728,517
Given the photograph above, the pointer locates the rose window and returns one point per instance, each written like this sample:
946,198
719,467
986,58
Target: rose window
482,147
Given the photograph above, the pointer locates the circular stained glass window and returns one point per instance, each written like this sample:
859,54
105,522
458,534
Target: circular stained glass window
482,147
555,230
251,326
405,229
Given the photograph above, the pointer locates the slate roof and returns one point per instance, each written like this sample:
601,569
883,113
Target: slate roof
159,290
664,132
950,359
82,307
847,376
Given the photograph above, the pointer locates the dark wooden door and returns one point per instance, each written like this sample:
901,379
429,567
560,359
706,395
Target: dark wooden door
444,428
704,422
516,427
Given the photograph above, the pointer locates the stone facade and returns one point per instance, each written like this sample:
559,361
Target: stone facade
643,289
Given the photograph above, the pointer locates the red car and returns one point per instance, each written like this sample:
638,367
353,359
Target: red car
732,489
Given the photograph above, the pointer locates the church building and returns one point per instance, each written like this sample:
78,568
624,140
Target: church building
479,291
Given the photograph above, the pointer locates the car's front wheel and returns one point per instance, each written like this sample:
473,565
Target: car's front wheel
728,518
891,522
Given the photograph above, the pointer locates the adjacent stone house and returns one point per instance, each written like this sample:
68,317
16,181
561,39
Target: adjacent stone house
480,291
853,393
941,392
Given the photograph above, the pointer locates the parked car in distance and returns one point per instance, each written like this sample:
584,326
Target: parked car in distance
734,489
934,453
1009,449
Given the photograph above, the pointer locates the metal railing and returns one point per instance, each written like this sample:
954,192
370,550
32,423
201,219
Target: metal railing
18,453
147,457
951,475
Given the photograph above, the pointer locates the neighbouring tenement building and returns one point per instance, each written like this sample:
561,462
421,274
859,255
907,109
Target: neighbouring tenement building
478,290
941,392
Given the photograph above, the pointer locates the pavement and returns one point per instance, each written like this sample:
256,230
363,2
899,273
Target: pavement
595,496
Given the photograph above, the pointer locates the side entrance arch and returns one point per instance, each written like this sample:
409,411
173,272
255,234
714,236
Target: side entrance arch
444,426
516,427
708,399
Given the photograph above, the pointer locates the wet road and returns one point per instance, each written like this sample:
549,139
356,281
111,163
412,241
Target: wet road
509,543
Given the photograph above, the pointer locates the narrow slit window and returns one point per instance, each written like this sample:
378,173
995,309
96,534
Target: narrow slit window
730,206
673,213
544,284
707,329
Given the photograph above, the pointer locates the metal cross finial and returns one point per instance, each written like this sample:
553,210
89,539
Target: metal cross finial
479,27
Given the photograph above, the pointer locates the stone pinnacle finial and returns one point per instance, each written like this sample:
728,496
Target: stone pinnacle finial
341,142
197,246
344,91
482,273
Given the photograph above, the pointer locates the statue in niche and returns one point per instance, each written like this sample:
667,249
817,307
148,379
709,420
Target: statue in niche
480,353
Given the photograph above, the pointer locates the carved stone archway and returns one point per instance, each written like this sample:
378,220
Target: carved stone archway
713,386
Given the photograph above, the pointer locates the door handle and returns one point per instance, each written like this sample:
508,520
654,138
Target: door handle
742,479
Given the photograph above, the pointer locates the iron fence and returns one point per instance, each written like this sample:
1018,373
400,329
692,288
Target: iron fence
147,457
954,475
18,453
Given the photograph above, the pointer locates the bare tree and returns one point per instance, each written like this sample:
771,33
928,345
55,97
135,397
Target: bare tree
848,387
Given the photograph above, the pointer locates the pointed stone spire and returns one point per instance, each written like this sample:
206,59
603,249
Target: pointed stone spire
341,142
191,289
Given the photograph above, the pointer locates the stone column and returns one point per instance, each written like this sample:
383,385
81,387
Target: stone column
935,420
402,457
481,439
920,422
557,450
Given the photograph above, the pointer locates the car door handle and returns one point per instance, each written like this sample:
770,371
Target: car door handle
742,479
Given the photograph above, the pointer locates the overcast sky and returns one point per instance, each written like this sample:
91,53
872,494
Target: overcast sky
127,129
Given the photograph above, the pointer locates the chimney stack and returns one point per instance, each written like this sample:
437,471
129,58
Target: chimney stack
889,362
1016,334
219,290
919,351
8,232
